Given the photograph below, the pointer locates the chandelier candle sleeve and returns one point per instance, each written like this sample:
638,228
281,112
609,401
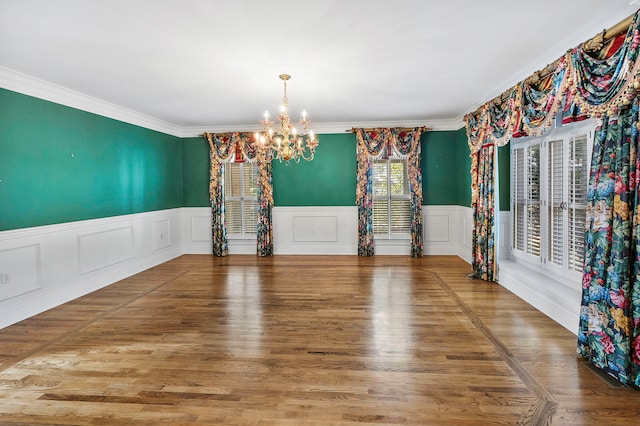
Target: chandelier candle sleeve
286,143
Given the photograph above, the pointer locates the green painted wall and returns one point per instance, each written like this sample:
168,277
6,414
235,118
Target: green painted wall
504,177
328,180
195,172
439,168
60,164
463,161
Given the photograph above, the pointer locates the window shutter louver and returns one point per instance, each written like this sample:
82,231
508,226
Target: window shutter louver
233,216
381,216
518,199
400,216
379,177
533,200
556,200
250,216
577,203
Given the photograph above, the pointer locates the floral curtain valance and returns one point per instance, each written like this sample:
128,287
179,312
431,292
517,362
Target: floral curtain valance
382,143
587,85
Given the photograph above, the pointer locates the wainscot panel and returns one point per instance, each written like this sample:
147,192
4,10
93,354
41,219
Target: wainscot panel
54,264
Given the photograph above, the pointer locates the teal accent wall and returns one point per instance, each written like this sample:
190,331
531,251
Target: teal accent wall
59,164
195,172
504,177
328,180
463,161
439,168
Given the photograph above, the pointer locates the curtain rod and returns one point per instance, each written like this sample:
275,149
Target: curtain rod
619,27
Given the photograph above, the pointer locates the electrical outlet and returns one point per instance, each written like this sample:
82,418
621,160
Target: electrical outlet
4,278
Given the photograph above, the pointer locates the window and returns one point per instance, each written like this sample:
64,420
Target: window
240,200
391,201
549,199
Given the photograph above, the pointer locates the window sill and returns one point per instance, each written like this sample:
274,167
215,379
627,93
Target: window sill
402,238
530,271
242,240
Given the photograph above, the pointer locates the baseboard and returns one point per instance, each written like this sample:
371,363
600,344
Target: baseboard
556,300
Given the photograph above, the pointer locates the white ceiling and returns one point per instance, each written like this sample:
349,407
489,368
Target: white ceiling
213,64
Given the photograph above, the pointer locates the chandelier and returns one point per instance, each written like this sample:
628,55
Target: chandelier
285,143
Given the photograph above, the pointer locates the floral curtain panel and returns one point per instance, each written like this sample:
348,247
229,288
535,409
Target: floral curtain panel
264,230
603,84
220,151
238,147
610,314
609,331
381,143
483,205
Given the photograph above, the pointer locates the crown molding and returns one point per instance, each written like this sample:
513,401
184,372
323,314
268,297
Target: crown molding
332,128
32,86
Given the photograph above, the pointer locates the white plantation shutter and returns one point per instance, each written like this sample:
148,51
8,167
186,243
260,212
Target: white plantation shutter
233,216
381,216
519,201
241,205
250,214
250,180
400,216
379,176
577,203
391,202
549,179
555,202
232,180
533,200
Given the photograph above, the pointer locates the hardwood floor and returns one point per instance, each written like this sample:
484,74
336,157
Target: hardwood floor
296,340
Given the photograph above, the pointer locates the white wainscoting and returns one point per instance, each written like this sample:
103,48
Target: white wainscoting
46,266
463,228
334,230
315,230
196,234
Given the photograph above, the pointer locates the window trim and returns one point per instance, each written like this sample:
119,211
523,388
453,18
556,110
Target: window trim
390,235
242,198
563,275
